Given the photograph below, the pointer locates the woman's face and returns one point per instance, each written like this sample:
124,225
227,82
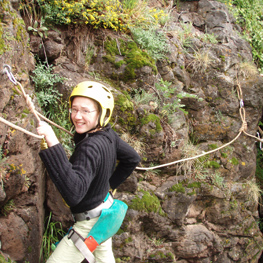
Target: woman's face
84,114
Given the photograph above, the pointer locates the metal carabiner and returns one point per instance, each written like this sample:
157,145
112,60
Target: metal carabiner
7,70
241,103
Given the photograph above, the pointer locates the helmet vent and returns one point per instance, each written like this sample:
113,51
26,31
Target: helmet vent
105,89
89,87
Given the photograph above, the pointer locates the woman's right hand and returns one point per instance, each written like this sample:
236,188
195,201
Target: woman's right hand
46,130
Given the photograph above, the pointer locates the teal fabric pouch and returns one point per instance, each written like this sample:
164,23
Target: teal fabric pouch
109,221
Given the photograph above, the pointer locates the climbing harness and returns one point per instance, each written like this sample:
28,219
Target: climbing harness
80,244
111,214
94,212
242,112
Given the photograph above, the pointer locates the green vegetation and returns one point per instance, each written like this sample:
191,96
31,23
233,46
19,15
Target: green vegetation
113,14
154,119
234,161
249,16
147,203
259,167
53,234
169,100
179,188
212,164
7,260
155,42
8,207
124,103
50,101
134,57
45,80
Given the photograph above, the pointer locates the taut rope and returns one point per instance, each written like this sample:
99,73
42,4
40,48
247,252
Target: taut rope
242,113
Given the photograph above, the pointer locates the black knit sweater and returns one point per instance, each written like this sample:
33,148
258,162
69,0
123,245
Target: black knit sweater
85,179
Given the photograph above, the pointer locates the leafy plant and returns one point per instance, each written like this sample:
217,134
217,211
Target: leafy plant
50,101
45,80
7,260
171,101
38,29
185,35
208,38
249,16
8,207
152,40
53,234
143,97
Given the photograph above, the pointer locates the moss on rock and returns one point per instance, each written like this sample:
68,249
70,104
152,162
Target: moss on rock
148,203
154,119
133,57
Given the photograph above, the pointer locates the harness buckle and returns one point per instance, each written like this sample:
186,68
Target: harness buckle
70,233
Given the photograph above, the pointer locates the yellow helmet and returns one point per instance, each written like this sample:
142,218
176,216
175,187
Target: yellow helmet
98,92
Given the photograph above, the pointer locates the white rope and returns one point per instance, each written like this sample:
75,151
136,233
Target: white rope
242,112
20,129
190,158
7,70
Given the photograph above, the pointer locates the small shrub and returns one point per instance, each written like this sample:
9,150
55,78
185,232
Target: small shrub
249,16
152,40
45,80
171,102
202,59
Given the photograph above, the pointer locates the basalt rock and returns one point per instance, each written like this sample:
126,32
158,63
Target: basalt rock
201,210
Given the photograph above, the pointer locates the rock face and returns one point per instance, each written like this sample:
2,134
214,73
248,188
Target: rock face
21,172
201,210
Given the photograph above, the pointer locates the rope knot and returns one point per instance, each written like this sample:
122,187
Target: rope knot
244,126
30,103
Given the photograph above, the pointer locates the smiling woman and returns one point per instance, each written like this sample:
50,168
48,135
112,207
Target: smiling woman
85,179
85,115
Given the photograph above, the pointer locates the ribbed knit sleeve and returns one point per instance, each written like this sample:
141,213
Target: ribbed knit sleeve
85,179
128,160
72,180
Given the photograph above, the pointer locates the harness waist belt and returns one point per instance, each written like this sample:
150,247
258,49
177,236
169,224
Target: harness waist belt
95,212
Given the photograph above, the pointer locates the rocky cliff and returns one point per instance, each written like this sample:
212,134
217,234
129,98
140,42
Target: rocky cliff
198,210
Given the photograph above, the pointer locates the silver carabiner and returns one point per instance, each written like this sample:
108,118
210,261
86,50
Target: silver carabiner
241,103
7,70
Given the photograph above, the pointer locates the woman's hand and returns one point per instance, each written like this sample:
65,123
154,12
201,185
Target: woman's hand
47,131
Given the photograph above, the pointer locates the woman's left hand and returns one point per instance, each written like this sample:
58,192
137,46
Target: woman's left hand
46,130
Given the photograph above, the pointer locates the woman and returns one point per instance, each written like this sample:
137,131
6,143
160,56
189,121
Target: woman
86,178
